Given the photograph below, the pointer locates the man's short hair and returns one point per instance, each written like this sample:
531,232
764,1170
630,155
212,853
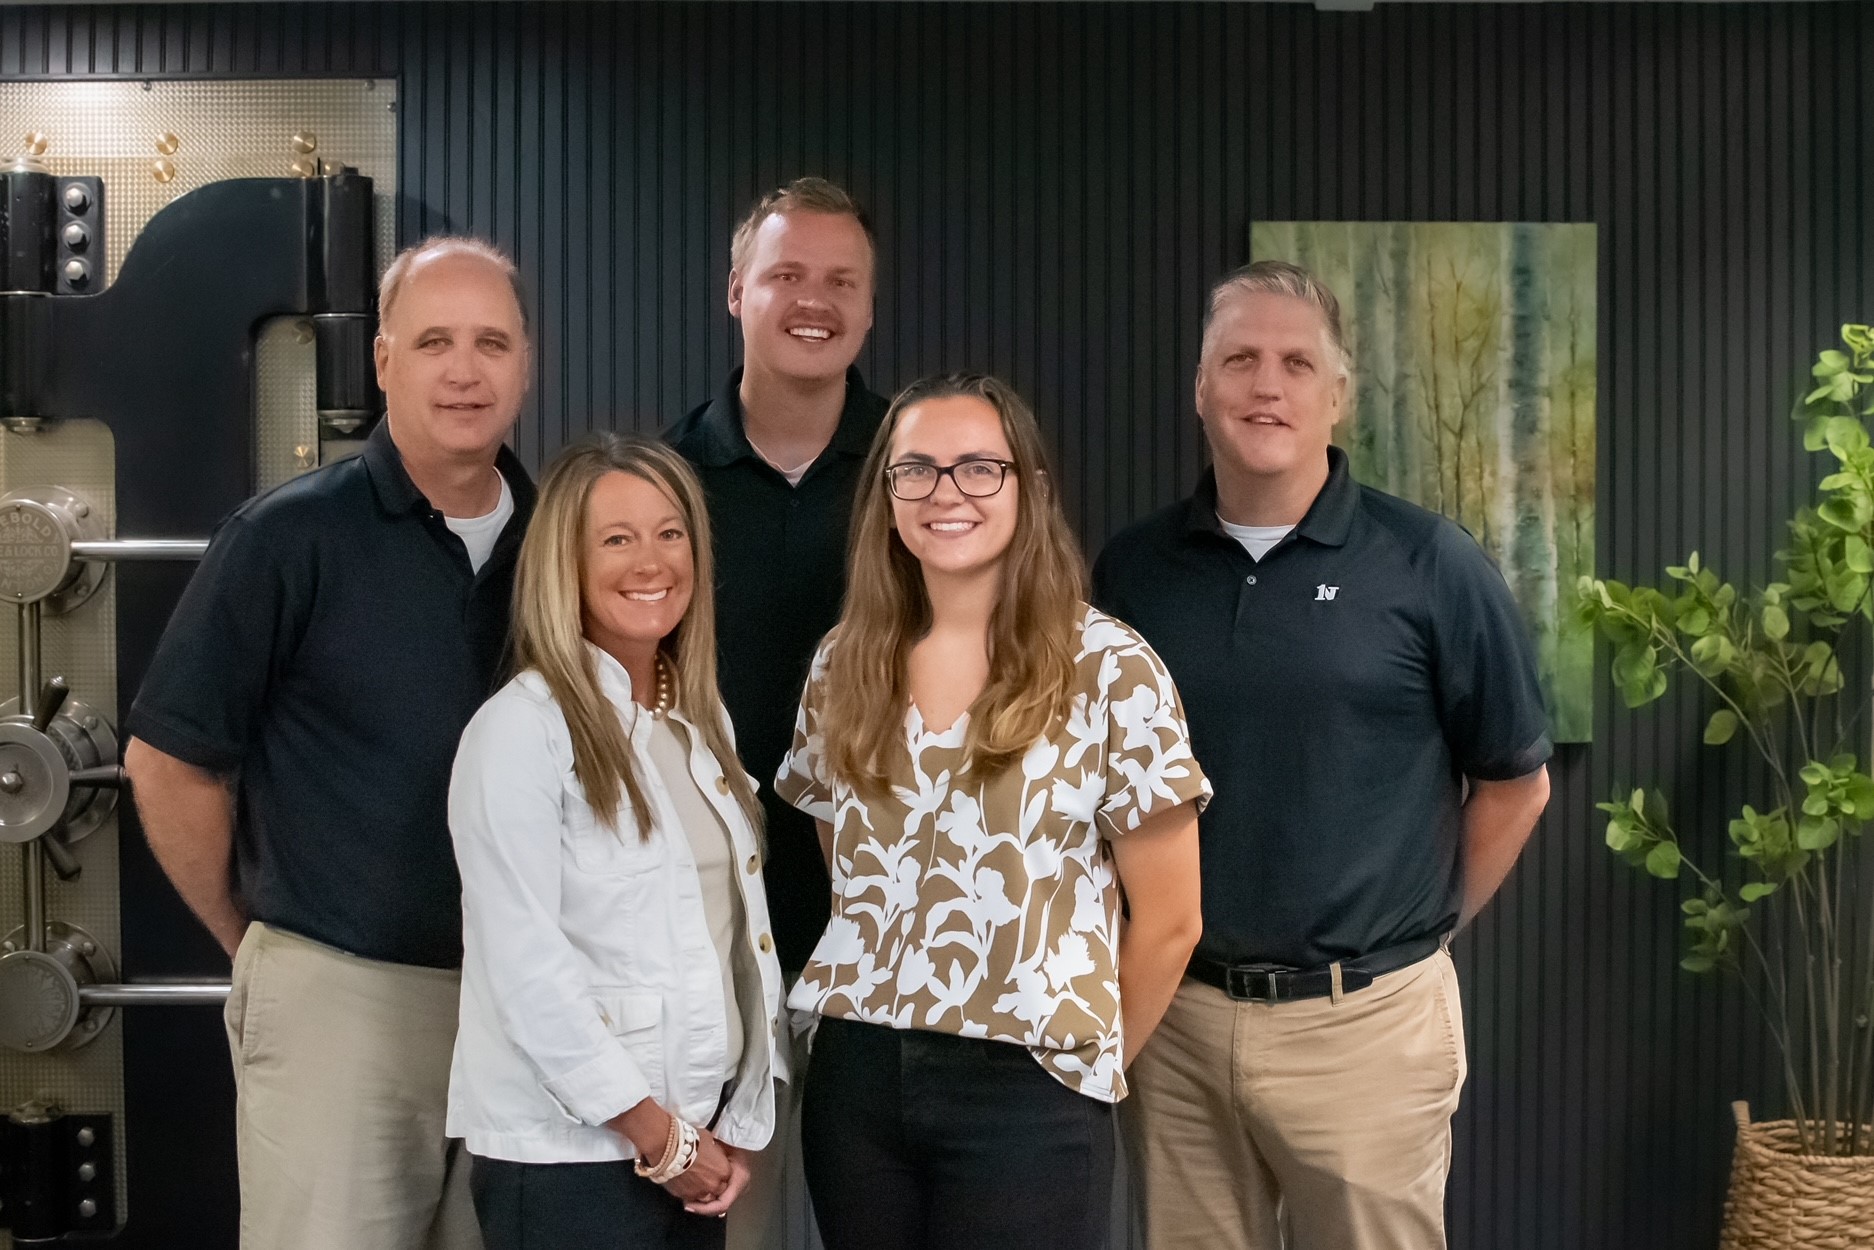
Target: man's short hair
803,195
395,276
1280,277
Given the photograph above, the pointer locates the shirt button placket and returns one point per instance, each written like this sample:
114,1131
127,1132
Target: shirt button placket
1243,594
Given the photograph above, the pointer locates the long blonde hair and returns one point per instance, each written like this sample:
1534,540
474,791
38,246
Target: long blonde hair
549,632
1033,632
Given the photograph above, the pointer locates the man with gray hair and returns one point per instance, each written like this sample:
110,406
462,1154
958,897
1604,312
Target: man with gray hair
1360,691
291,749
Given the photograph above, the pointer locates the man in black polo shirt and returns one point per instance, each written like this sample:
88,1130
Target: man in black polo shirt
298,725
779,452
1360,692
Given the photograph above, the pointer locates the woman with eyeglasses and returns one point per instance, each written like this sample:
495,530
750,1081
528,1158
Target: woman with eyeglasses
992,763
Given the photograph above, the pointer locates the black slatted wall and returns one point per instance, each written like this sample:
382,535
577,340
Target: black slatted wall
1054,185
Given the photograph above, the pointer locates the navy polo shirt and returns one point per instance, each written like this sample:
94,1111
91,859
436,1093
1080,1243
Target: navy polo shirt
327,654
1338,691
780,555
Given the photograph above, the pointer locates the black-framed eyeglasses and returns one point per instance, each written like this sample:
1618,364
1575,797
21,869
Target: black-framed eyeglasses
978,478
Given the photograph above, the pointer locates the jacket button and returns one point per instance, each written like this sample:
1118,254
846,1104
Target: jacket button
722,784
766,944
754,864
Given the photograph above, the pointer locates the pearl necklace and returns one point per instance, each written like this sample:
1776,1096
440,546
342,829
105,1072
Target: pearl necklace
663,688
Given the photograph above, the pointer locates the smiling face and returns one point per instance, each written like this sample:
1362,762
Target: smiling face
452,359
804,297
1270,387
638,570
950,533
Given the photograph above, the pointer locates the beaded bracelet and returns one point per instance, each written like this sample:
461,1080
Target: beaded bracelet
675,1162
673,1137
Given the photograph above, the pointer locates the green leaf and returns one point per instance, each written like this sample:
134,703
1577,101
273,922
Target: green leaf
1663,860
1861,794
1754,890
1634,663
1656,815
1775,622
1857,555
1721,728
1697,963
1817,833
1846,436
1815,805
1845,589
1840,513
1814,436
1712,654
1643,691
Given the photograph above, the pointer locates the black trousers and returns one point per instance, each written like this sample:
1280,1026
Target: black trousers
927,1141
582,1206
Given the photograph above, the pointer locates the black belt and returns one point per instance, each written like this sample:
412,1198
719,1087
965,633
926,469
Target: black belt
1278,983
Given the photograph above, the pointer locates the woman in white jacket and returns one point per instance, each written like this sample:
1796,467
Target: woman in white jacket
617,1050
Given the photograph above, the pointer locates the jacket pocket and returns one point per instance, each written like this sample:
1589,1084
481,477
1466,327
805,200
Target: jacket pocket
636,1019
603,851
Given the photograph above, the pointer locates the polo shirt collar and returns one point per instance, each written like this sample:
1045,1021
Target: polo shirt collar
725,439
398,494
1328,519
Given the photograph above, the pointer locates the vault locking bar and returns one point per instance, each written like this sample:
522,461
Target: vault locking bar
59,776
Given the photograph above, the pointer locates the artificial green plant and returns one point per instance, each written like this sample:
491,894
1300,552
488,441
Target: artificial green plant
1792,912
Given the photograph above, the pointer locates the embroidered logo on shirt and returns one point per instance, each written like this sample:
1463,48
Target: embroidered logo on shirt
1324,593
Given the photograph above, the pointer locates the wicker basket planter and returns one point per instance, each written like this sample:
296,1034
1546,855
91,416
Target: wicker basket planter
1780,1199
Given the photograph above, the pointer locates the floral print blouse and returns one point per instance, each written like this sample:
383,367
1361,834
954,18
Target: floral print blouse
989,907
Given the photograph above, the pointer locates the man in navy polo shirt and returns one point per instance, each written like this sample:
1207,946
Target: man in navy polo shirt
1360,691
291,748
779,451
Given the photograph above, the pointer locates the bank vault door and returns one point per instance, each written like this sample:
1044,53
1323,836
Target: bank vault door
186,308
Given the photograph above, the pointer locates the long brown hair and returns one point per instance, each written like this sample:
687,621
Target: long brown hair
1033,632
549,632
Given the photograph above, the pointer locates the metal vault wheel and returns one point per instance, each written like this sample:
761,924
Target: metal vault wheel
40,1007
49,778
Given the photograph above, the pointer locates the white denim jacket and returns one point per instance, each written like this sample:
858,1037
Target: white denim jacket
589,978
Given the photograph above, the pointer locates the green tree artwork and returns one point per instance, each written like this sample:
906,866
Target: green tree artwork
1474,396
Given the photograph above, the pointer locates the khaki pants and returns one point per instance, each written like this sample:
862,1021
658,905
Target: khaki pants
773,1213
1311,1125
341,1077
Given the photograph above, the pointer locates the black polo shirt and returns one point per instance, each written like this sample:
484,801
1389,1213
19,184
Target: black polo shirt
328,653
1338,691
780,575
